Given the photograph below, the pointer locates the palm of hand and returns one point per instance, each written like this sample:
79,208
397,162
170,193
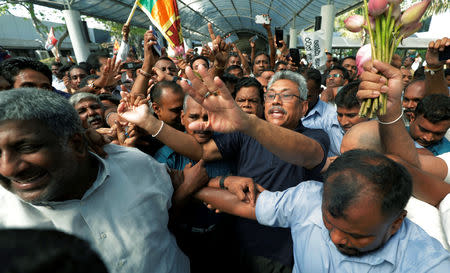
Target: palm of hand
134,114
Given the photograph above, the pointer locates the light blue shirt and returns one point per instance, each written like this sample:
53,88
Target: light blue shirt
411,249
323,116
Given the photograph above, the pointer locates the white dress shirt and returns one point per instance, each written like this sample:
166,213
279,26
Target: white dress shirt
123,215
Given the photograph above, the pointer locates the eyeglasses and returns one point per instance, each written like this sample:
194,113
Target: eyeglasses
334,76
171,69
270,96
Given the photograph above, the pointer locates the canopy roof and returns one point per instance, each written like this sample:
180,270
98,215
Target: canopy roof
227,16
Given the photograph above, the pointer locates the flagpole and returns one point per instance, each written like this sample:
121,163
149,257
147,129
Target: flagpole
132,13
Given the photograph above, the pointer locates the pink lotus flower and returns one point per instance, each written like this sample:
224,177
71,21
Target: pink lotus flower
179,52
410,29
363,55
414,13
354,23
377,7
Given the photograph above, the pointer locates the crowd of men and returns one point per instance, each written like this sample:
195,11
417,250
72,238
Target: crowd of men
227,162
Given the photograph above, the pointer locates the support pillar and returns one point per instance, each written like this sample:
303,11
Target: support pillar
293,35
79,45
328,15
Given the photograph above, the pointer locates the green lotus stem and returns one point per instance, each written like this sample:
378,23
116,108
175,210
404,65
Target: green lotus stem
366,16
362,108
384,104
388,33
378,34
375,105
383,38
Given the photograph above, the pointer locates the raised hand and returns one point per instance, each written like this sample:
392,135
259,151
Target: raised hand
373,84
432,56
195,177
110,74
220,48
134,109
243,187
224,114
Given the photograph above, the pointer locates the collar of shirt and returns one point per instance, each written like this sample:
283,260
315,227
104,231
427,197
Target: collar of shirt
387,253
318,109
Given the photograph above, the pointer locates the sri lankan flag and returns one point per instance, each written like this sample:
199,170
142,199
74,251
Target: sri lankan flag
165,17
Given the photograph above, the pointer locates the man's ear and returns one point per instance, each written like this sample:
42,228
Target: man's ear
304,107
78,145
182,117
397,223
156,108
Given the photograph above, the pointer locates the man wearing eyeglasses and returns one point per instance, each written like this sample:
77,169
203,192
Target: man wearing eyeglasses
274,157
167,66
337,78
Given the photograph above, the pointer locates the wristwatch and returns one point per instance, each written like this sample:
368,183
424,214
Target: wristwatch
93,86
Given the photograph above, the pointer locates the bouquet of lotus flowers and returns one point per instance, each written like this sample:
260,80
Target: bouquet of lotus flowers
387,26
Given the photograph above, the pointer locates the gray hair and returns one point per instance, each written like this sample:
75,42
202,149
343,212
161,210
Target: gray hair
294,77
186,97
76,98
50,108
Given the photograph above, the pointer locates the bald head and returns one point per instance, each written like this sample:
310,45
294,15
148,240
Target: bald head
363,136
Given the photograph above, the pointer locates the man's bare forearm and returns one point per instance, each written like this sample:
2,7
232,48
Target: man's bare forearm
436,83
225,201
290,146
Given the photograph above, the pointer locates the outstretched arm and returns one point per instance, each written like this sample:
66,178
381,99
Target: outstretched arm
226,116
435,82
225,201
394,137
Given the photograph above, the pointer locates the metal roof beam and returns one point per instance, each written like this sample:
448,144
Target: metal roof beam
300,11
219,11
237,14
201,15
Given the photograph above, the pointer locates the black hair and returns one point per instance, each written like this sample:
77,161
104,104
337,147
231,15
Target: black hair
247,82
419,73
11,68
165,59
86,66
338,67
348,57
278,64
43,251
229,78
414,81
63,69
77,66
93,60
233,67
156,91
110,98
434,108
346,97
328,53
359,173
199,57
314,75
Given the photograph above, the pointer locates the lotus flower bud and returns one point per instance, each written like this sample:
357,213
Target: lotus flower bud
354,23
409,30
414,13
377,7
363,55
